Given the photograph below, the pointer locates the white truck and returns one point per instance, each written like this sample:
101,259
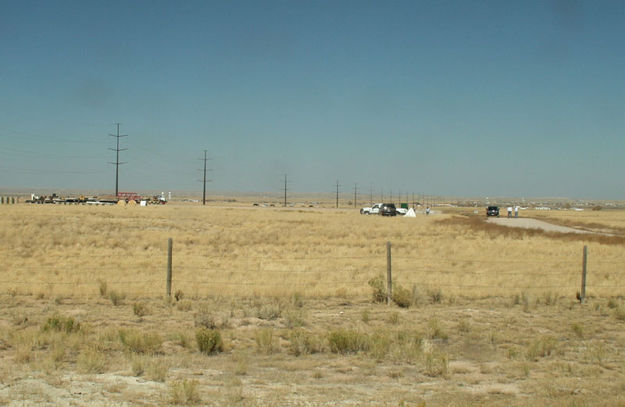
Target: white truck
375,210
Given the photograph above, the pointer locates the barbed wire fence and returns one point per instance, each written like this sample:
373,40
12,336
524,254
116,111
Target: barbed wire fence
319,275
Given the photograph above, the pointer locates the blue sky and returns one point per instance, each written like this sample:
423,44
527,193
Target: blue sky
456,98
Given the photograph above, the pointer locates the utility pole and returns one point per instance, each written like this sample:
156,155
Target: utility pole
117,163
285,188
337,193
371,194
204,180
355,193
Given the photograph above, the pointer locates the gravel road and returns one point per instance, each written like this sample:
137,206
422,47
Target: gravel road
529,223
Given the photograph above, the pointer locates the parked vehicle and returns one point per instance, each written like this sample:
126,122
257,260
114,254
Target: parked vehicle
374,210
492,211
388,209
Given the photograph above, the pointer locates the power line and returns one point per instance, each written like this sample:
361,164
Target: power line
117,163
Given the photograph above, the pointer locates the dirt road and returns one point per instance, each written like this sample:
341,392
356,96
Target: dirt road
529,223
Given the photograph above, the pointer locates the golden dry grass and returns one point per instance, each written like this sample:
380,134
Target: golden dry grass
72,250
494,320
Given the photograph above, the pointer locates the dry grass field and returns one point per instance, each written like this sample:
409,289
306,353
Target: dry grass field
276,306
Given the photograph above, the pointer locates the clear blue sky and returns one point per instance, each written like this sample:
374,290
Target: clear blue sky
462,98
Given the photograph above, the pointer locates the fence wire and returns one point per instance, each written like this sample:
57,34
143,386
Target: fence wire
215,272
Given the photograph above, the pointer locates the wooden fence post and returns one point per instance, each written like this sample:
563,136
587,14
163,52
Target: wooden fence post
169,250
389,279
582,297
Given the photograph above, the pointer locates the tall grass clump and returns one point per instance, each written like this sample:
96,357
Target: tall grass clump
184,392
378,287
436,296
269,312
209,341
266,342
206,318
140,309
436,331
541,347
140,342
116,297
103,288
304,343
92,361
348,341
436,364
59,323
402,296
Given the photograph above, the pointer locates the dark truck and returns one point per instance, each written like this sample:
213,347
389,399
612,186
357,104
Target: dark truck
492,211
388,209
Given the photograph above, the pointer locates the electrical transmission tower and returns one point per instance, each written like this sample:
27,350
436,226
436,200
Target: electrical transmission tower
204,180
355,194
117,163
337,193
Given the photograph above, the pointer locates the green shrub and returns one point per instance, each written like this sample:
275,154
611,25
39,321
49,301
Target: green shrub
209,341
61,324
348,341
140,342
378,286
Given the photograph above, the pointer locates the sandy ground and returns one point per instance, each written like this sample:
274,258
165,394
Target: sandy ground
529,223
